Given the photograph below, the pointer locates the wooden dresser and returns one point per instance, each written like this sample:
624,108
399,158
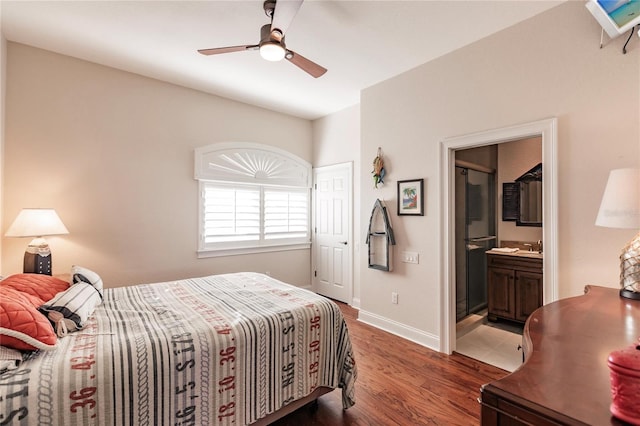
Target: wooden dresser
565,377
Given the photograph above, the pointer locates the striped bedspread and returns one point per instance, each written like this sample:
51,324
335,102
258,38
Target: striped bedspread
218,350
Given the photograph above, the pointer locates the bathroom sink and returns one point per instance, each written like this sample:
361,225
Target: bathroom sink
517,253
528,253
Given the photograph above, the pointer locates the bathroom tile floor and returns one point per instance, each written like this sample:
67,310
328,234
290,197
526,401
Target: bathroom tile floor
492,343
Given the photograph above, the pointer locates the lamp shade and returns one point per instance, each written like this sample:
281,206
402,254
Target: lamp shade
620,206
36,223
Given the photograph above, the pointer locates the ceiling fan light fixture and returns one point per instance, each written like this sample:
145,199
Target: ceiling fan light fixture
272,46
272,51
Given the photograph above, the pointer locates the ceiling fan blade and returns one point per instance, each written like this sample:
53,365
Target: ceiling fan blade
305,64
284,13
218,50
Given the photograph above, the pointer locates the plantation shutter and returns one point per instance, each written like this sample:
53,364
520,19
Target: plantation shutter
286,213
231,214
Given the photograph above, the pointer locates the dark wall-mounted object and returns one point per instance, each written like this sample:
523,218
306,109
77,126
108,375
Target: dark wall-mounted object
380,238
510,195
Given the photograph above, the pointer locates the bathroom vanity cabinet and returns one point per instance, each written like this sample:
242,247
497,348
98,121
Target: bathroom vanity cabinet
514,285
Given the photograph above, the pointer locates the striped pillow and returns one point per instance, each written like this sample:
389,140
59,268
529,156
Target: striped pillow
81,274
69,309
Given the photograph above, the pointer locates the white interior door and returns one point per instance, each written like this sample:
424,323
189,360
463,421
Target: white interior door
332,237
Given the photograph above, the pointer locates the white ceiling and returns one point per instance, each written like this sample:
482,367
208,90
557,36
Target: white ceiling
360,42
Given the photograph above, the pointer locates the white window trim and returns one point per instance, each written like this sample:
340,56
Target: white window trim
206,253
249,163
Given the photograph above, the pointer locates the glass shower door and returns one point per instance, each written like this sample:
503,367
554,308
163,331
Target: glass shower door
475,230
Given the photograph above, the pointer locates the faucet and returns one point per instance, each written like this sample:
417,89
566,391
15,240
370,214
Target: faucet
528,245
539,246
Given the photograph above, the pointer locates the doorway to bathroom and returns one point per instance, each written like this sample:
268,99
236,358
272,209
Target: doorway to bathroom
502,156
476,226
485,220
547,130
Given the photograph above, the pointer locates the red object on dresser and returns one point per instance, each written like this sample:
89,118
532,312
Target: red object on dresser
625,384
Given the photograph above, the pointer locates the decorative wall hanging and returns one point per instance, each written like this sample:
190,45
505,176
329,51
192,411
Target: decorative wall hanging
378,169
410,198
379,238
510,195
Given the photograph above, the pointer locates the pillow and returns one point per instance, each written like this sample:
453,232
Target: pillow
69,310
41,286
10,359
80,274
21,325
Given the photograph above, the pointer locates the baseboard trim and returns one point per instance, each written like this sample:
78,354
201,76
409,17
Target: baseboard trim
415,335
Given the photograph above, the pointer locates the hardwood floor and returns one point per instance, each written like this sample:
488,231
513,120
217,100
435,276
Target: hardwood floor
401,383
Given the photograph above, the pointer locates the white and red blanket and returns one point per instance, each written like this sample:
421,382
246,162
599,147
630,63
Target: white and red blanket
218,350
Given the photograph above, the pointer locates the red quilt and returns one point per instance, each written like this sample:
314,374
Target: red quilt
22,326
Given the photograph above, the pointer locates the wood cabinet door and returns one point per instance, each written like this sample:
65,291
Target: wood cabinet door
501,297
528,294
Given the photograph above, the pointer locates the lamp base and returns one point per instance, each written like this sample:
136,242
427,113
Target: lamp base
629,294
37,258
630,269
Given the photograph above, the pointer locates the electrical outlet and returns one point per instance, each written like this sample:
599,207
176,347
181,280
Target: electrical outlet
394,298
409,257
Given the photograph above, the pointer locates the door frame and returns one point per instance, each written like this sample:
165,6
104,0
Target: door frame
348,167
547,130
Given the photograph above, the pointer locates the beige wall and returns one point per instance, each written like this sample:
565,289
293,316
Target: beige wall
485,156
112,152
336,139
548,66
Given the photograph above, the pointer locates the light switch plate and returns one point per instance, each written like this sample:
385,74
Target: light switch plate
410,257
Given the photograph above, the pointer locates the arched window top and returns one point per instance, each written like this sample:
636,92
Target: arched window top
251,163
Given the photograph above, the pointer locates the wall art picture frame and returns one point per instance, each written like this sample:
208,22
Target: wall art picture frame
410,197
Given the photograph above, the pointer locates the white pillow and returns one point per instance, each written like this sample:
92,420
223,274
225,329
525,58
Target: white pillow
81,274
69,309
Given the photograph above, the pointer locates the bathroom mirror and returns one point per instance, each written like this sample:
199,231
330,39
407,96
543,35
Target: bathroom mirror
530,198
530,204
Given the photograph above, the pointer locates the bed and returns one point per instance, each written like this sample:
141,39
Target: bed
232,349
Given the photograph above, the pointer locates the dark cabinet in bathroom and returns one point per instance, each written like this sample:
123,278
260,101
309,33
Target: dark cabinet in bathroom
514,285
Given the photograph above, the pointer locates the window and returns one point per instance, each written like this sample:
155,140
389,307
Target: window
230,214
244,216
253,198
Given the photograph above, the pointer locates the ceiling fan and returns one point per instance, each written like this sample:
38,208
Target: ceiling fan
272,46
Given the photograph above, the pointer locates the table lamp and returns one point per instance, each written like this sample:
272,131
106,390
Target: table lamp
620,208
37,223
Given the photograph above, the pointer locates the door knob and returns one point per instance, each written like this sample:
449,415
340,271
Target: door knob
343,242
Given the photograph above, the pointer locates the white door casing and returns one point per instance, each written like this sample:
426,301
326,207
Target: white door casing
548,130
332,233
